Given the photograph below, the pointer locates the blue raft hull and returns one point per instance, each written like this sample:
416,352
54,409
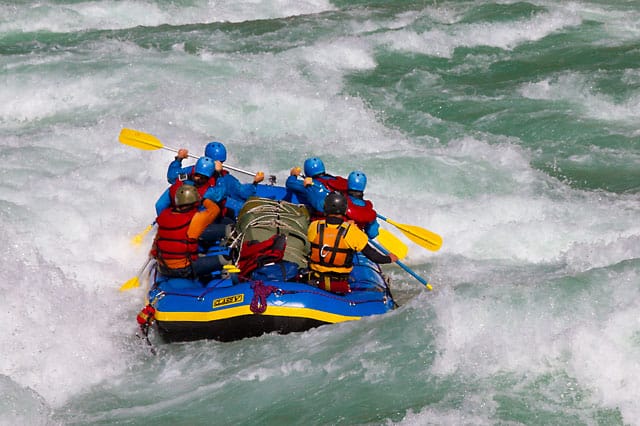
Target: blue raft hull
226,309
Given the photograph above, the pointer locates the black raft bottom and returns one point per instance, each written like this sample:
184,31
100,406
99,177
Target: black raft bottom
231,329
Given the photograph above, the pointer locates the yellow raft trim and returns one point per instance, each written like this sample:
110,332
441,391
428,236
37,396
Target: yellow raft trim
276,311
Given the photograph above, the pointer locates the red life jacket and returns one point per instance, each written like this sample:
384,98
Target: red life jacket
361,215
171,240
254,254
173,189
333,183
201,189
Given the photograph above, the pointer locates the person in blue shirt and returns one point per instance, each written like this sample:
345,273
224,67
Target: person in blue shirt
236,193
358,209
202,177
315,186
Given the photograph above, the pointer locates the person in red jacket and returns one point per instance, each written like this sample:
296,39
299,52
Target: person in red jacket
202,176
315,186
235,193
359,209
176,245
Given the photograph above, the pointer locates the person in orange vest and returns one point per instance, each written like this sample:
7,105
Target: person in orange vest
334,241
176,245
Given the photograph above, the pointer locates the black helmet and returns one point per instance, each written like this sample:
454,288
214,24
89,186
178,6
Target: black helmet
185,195
335,203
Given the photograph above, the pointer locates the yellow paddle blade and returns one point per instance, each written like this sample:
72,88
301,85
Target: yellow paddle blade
139,140
392,244
132,283
137,240
422,237
135,282
149,142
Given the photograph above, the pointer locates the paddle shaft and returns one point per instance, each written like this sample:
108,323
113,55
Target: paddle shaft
224,164
149,259
403,266
135,281
149,142
423,237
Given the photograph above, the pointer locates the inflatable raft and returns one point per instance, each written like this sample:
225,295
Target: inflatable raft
275,297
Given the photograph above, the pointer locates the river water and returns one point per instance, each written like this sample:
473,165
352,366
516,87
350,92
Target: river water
511,128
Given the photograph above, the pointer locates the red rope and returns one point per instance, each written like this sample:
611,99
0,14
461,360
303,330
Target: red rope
260,294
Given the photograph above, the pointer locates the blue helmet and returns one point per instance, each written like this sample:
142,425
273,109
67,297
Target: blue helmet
205,166
313,166
216,151
357,181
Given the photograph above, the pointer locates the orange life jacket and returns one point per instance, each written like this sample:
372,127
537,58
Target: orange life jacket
329,248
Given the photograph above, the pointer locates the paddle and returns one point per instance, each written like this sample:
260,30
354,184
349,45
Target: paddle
149,142
403,266
137,240
135,281
422,237
391,243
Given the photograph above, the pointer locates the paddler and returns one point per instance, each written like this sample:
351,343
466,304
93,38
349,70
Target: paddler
334,241
180,227
236,193
360,210
316,185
